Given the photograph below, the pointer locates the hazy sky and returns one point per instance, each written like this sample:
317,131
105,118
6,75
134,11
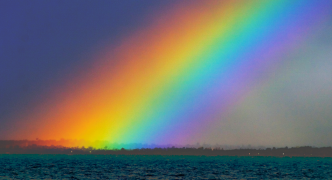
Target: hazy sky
43,43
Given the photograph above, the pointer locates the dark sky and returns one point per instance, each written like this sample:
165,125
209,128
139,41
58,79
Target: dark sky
45,42
42,42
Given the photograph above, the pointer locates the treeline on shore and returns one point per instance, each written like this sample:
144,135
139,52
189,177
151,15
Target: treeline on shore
305,151
114,145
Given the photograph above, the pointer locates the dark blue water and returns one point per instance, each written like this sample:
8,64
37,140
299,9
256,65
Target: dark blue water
161,167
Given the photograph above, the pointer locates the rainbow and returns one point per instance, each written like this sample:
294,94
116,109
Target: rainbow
172,80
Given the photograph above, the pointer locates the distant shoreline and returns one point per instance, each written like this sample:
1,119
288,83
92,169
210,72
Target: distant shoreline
306,151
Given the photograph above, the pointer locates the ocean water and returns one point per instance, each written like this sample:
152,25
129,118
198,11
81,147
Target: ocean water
162,167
